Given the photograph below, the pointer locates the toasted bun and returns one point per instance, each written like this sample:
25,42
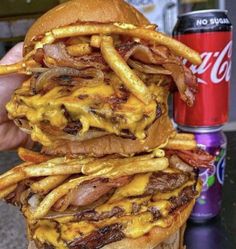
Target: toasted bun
79,11
157,134
175,241
157,238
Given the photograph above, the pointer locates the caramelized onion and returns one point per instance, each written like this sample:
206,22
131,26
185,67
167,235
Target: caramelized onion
75,210
66,71
197,158
89,192
140,52
148,69
177,163
59,53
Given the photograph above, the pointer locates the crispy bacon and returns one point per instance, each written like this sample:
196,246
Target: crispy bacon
196,158
39,56
183,78
140,52
176,162
149,55
99,238
60,55
159,55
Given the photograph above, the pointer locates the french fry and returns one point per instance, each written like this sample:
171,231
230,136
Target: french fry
77,40
154,165
21,67
79,49
184,136
130,30
48,183
57,166
181,141
96,41
177,144
123,71
52,170
8,69
55,195
7,191
105,165
11,171
31,156
11,179
142,166
104,29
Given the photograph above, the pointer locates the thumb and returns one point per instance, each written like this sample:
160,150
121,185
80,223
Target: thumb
9,83
14,55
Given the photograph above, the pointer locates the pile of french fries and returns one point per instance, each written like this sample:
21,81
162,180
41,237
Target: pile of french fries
56,173
101,38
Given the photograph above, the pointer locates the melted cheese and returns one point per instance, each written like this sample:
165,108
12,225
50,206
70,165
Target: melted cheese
141,224
93,110
136,187
46,231
138,225
69,233
124,168
134,226
159,152
125,204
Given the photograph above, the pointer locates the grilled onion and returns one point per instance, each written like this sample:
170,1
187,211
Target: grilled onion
59,54
66,71
148,69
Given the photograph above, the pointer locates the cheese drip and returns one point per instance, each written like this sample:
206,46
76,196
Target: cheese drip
91,105
134,226
47,232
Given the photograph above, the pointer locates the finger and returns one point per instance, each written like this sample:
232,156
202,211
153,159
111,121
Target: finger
9,83
13,55
12,137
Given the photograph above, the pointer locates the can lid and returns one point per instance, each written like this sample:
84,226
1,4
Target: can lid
203,11
200,129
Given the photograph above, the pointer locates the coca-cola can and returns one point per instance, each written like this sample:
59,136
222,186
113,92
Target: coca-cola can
210,33
214,141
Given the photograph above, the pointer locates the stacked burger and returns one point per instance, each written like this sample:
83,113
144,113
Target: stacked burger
112,172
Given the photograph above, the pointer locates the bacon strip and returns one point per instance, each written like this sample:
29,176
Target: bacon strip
196,158
158,55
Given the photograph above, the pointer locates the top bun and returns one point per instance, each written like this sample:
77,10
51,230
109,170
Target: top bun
81,11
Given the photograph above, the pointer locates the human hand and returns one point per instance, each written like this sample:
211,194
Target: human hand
11,136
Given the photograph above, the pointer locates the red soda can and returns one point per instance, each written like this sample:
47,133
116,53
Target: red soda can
209,32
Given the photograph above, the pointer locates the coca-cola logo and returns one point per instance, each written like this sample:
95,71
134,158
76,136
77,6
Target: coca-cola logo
216,64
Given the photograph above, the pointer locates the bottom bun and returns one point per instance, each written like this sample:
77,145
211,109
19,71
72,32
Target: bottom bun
175,241
157,238
157,135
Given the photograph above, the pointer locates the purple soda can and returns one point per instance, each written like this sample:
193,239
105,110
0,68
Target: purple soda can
214,141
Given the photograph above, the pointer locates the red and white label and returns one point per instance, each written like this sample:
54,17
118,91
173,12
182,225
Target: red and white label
212,101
